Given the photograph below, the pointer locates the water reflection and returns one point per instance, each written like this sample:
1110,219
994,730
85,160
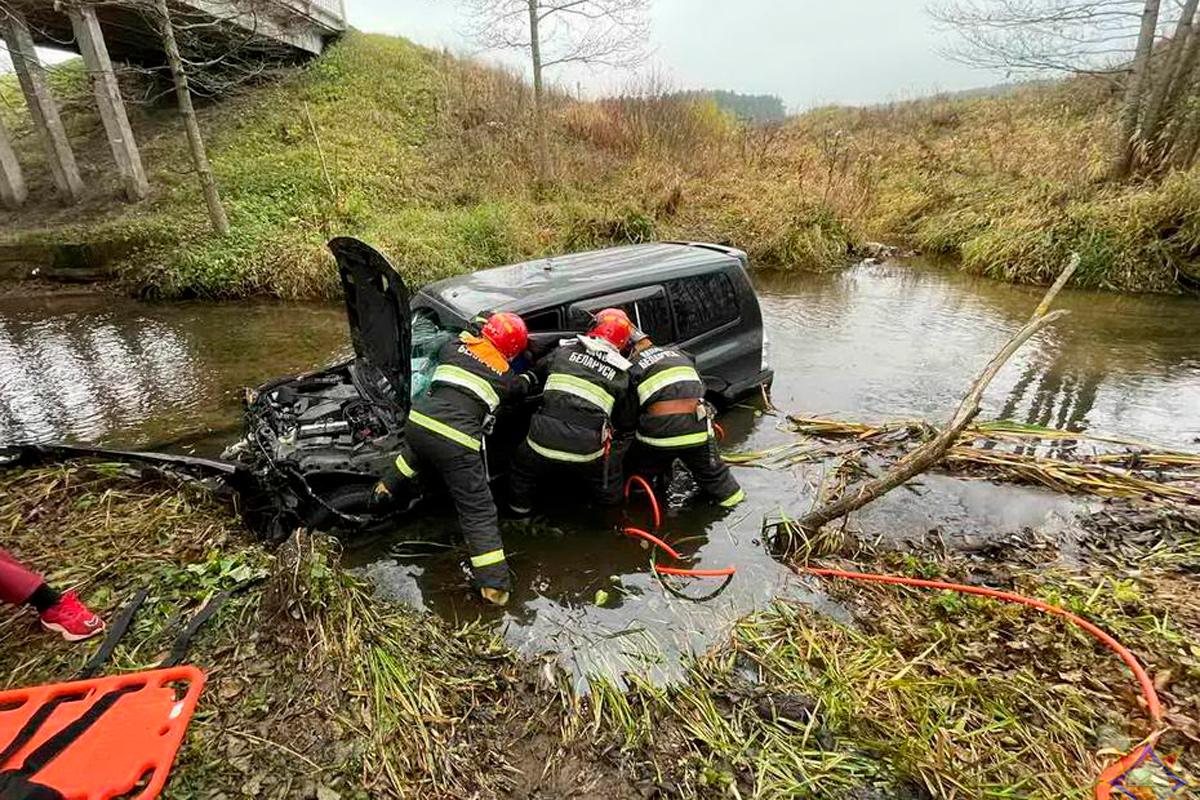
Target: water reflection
897,342
119,372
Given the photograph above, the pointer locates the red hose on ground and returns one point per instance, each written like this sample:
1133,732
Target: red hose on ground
1147,685
649,537
1108,778
695,573
638,479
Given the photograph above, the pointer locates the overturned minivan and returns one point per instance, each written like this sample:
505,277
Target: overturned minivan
316,443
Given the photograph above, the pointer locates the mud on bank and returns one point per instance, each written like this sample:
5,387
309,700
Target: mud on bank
318,690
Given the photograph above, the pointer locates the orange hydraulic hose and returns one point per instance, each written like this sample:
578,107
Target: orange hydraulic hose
695,573
671,551
638,479
718,431
649,537
1143,679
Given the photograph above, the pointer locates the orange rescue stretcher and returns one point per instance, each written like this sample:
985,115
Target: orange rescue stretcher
97,739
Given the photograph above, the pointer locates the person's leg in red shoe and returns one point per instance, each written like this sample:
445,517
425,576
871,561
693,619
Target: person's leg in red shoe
17,582
61,613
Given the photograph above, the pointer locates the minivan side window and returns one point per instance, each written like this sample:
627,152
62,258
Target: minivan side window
648,308
703,303
543,321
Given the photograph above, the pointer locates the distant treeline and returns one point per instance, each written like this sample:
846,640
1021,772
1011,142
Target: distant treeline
752,107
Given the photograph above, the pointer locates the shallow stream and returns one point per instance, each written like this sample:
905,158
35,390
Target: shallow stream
873,342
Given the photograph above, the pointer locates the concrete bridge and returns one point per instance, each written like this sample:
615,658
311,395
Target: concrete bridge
125,31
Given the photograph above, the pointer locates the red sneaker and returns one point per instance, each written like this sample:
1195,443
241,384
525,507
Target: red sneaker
72,619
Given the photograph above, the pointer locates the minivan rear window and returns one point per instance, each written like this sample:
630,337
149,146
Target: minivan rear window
703,303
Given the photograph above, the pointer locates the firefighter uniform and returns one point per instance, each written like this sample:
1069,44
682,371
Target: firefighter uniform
674,423
445,437
585,396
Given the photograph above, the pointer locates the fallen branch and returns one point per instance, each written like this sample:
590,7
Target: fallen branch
933,451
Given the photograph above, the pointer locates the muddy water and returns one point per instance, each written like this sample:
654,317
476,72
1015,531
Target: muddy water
874,342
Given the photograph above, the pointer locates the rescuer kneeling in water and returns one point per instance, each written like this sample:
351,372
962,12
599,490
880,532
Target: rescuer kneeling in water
446,437
586,395
675,423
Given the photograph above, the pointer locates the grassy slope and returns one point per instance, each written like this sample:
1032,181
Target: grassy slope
431,157
395,123
1013,184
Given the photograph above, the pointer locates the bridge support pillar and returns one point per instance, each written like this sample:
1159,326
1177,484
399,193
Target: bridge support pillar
42,107
12,184
108,99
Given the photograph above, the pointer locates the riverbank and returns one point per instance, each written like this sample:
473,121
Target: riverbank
432,158
317,688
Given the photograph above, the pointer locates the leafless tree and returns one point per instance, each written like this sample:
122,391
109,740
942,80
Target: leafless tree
202,50
198,65
558,32
1151,47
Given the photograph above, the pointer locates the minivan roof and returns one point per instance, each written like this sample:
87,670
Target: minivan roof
549,282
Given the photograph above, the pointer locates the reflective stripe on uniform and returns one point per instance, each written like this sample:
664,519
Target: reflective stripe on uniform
684,440
656,383
441,428
405,469
448,373
733,499
488,558
563,455
583,389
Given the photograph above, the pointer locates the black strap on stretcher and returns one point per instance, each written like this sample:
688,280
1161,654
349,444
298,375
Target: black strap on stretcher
15,784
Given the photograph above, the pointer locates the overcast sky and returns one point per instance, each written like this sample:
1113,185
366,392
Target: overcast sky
808,52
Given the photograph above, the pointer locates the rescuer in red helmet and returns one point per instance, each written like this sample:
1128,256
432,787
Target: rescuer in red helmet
586,395
445,437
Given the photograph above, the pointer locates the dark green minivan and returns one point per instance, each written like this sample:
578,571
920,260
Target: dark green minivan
316,443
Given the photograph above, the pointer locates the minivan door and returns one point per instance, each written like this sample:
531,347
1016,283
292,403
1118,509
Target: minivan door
380,325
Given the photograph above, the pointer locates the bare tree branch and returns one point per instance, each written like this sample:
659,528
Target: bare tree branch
555,32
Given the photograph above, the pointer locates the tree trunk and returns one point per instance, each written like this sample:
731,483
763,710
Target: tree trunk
1175,70
539,99
1130,139
934,450
216,211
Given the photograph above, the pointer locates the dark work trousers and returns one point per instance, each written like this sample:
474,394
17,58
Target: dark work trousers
462,472
535,477
702,460
17,582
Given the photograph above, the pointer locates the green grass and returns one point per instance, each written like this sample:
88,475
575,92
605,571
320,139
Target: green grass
384,112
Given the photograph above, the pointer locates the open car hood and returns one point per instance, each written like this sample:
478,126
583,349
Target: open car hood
378,313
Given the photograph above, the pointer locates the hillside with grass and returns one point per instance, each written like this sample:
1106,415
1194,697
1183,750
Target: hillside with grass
432,158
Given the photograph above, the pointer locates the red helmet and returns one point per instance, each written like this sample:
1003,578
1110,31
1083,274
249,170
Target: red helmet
612,325
507,331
